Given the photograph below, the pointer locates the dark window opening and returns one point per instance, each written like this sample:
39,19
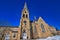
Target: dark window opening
23,15
27,37
25,12
2,35
26,16
14,35
24,31
25,22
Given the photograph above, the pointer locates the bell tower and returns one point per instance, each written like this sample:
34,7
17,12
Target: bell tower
25,12
24,23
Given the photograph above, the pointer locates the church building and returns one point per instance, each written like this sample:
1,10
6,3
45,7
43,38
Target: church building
27,29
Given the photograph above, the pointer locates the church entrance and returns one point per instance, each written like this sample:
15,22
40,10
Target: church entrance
24,35
7,36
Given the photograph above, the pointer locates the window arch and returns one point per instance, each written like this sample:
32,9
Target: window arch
43,29
26,16
23,15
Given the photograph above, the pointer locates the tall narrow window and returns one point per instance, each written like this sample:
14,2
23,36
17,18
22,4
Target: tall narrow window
35,29
43,29
23,15
26,16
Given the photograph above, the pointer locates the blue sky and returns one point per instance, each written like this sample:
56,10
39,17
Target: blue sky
49,10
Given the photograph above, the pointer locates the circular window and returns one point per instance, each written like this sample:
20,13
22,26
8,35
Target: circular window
25,22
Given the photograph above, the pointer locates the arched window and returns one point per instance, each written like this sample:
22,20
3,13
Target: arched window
25,22
26,16
43,29
23,15
7,36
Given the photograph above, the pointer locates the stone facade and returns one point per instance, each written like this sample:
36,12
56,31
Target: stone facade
27,29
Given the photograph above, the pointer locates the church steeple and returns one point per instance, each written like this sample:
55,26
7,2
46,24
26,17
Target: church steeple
25,5
25,12
25,23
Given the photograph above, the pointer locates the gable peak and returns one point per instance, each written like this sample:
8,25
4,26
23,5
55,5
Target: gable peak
40,17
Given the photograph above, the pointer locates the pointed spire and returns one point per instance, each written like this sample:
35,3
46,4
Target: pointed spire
25,5
34,17
40,17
